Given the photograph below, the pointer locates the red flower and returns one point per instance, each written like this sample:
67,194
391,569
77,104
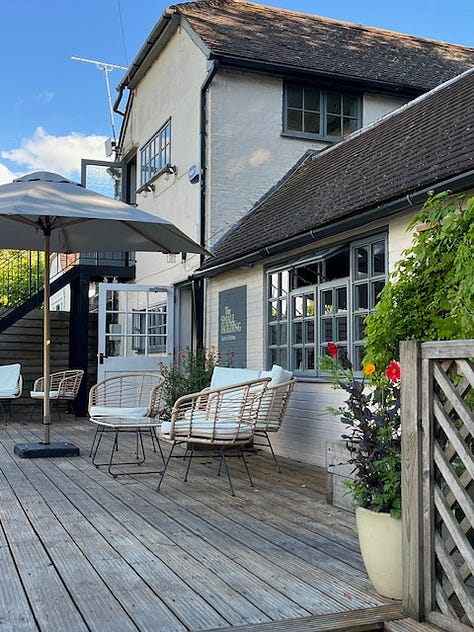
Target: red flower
332,348
393,371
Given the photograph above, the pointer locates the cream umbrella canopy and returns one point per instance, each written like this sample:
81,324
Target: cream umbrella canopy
46,212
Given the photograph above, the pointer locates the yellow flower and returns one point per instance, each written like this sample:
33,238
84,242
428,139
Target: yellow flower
369,369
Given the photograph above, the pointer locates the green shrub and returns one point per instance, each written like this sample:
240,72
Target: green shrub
190,373
430,295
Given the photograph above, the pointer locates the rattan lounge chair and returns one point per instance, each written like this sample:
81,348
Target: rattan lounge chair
272,413
224,418
63,387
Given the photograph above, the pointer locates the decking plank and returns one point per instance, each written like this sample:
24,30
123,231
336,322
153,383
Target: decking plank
206,560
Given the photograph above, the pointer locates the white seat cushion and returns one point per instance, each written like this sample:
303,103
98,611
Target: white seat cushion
118,411
40,394
204,429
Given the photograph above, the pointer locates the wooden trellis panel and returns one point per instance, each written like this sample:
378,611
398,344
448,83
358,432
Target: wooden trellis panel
439,452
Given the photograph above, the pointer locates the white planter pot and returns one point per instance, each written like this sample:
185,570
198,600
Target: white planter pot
380,540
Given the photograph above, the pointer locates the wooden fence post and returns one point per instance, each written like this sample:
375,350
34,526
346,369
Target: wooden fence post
412,510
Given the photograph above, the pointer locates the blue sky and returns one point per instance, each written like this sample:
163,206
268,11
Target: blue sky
54,110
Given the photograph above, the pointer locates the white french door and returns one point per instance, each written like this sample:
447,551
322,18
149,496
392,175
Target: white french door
135,328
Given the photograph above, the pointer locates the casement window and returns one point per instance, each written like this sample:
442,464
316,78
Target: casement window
323,298
156,154
313,112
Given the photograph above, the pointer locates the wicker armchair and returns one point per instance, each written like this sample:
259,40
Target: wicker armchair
126,396
272,413
63,387
225,418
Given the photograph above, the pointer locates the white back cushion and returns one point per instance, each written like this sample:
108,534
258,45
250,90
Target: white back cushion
9,376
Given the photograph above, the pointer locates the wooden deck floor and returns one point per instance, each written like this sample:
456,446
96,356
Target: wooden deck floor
80,550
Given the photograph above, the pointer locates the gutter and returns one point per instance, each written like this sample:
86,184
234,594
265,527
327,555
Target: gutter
455,184
139,65
198,285
273,68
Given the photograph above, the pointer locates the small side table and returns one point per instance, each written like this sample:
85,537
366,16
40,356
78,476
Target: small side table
117,425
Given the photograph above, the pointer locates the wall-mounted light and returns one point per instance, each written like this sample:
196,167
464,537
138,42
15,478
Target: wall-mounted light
146,189
172,169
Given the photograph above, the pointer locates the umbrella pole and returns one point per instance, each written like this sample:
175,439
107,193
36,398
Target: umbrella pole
46,341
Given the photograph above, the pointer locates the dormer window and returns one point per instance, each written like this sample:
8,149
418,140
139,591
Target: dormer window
155,156
311,112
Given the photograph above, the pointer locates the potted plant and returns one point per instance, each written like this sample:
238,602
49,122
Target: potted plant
371,416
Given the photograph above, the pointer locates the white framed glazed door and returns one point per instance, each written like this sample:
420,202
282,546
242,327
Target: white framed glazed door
135,328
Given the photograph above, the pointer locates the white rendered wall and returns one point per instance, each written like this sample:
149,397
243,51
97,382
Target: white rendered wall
377,105
170,89
248,153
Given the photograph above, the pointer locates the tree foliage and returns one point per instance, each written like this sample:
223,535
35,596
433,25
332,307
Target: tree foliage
430,295
21,274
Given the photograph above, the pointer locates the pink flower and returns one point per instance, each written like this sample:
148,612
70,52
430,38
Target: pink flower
393,371
332,348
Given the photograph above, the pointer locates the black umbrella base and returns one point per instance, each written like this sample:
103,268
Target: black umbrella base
45,450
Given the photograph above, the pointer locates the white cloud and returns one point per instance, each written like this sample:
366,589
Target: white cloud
6,175
59,154
45,96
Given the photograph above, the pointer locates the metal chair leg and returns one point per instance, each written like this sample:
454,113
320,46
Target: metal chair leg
166,467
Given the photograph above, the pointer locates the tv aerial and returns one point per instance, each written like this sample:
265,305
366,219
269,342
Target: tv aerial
106,68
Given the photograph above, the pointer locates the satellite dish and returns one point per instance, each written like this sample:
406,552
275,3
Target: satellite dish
193,174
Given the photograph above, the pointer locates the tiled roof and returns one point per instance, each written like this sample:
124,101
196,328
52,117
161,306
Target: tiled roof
425,142
253,32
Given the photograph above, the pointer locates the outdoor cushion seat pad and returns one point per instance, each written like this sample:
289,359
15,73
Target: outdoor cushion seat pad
118,411
206,429
40,394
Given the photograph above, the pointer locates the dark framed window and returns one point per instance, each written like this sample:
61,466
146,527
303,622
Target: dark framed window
156,154
323,298
320,113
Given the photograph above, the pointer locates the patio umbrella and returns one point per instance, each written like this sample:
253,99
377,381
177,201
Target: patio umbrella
47,212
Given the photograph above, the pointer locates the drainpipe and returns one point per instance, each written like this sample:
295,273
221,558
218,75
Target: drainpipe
198,284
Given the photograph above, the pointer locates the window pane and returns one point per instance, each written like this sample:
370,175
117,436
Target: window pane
309,328
295,120
294,97
311,123
362,263
358,356
298,359
297,306
351,104
378,257
326,302
350,125
341,299
311,99
333,125
309,306
273,335
283,330
298,333
377,287
327,333
309,357
361,293
359,327
333,100
341,329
